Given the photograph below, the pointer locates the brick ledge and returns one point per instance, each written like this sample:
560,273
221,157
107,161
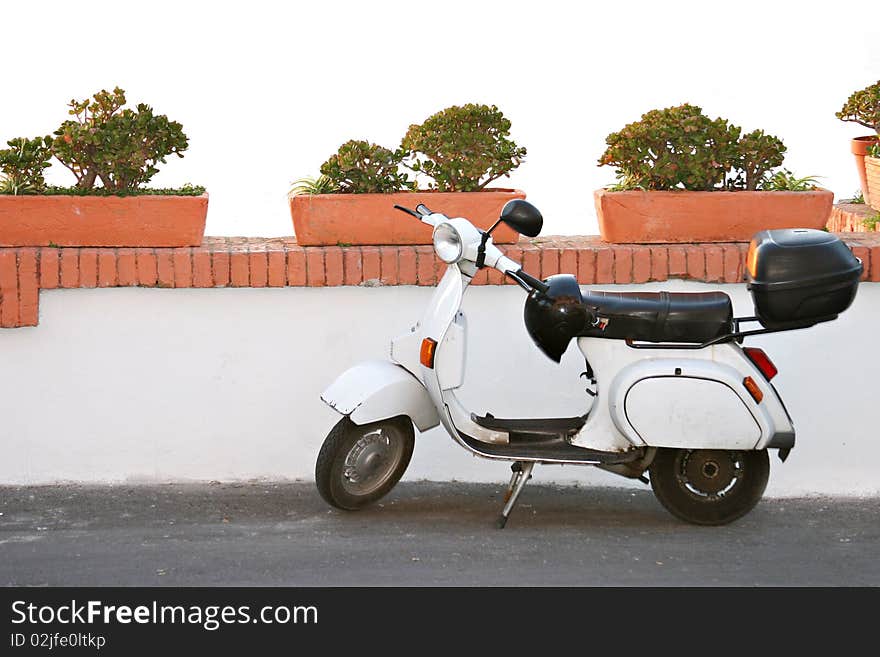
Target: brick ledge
278,262
850,218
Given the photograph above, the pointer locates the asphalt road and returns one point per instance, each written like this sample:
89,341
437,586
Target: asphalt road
421,534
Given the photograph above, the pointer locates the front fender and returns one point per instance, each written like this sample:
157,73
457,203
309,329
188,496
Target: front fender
377,390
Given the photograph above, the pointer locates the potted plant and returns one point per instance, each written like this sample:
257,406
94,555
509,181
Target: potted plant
684,177
872,177
863,107
112,152
460,150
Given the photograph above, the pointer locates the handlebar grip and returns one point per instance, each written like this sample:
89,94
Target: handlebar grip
534,282
408,211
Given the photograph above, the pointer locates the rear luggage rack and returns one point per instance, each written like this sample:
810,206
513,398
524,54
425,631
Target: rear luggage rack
736,334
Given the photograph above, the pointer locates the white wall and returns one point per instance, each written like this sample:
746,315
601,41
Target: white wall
160,385
268,90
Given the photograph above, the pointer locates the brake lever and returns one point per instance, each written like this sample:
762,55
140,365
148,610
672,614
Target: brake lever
518,281
408,211
534,282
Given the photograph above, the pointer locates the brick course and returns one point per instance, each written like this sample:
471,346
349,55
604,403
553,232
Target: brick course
850,218
256,262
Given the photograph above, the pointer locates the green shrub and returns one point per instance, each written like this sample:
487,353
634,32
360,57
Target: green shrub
681,148
23,164
320,185
756,154
673,147
863,107
463,148
360,167
786,181
186,190
120,147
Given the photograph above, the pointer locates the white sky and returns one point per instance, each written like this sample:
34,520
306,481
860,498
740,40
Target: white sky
266,91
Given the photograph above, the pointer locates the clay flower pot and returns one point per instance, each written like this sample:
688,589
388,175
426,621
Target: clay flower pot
683,216
872,182
859,147
329,219
65,220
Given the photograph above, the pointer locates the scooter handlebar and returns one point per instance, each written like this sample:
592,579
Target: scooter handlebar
408,211
422,213
526,281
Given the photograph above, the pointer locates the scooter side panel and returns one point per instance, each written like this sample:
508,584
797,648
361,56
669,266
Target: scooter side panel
618,368
451,357
405,350
691,413
377,390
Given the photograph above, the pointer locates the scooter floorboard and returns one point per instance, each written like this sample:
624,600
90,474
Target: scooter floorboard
542,448
549,426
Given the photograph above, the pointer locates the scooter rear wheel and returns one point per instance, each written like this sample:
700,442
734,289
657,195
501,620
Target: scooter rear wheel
709,486
358,464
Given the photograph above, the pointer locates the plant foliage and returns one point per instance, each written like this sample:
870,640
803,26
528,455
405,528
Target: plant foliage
863,107
185,190
320,185
786,181
23,164
463,148
682,148
756,154
120,147
360,167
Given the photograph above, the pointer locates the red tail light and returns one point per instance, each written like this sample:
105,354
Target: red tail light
761,361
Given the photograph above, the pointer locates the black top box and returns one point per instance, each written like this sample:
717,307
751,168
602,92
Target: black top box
800,277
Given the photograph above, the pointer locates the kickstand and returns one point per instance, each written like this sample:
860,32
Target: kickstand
522,472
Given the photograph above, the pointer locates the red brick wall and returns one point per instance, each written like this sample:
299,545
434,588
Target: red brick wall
280,262
850,218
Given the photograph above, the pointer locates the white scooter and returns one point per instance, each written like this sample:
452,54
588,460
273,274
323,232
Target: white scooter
674,393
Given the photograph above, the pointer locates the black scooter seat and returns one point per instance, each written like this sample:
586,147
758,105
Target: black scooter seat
686,317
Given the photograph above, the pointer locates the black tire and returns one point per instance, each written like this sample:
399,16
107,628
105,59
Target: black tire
385,451
709,487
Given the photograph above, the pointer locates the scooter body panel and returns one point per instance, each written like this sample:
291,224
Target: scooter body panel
379,389
689,411
693,399
445,323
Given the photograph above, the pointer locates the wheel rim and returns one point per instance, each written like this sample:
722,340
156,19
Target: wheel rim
372,460
709,475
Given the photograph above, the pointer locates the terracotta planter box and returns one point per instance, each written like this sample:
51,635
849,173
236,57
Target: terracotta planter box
872,179
859,147
329,219
102,220
681,216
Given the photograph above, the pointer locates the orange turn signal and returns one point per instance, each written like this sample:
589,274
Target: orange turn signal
426,354
752,260
753,389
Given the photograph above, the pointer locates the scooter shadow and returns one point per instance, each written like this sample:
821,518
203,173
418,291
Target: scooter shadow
478,506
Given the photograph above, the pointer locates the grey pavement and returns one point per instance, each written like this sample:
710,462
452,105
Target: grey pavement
421,534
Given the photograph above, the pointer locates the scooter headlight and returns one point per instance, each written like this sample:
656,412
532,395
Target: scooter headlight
447,243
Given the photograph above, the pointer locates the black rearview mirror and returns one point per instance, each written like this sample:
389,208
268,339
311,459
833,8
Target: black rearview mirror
523,217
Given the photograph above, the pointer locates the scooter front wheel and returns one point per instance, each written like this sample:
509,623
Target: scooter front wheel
358,464
709,486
